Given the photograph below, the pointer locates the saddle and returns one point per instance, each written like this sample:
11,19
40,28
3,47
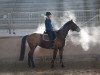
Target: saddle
45,36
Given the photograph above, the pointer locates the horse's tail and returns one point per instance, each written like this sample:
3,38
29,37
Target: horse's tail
22,52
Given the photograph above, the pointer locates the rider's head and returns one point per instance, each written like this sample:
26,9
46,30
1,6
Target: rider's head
48,14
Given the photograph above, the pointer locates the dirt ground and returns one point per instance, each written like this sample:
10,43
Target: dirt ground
43,68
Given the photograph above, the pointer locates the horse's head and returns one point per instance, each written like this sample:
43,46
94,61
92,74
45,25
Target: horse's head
63,31
73,26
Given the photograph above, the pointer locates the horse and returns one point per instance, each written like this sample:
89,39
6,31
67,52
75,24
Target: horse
36,39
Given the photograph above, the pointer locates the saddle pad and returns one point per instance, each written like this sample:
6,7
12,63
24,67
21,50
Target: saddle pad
45,37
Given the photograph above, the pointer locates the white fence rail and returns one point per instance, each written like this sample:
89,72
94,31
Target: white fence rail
30,20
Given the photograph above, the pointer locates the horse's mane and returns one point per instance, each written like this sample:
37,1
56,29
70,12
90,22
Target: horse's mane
66,24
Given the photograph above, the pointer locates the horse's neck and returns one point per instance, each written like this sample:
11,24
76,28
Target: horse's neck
62,33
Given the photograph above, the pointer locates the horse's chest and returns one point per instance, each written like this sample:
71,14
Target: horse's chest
59,43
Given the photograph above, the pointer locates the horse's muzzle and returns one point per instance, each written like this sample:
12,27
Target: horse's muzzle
78,29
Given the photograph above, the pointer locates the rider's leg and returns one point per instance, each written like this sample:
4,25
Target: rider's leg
50,37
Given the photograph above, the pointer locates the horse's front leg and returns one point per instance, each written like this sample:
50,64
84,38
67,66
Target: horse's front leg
61,57
54,57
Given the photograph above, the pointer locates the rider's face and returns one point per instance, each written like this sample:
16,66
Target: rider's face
49,16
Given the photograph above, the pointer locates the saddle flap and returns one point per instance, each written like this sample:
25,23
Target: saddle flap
45,37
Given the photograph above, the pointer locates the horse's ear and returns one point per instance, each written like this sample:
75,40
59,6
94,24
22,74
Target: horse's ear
71,20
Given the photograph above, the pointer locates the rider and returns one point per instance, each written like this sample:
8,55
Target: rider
49,28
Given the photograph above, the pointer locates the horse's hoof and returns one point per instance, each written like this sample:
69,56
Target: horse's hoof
29,65
33,66
52,66
62,66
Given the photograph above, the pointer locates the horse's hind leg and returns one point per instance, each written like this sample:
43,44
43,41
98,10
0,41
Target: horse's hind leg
30,57
61,56
54,57
29,61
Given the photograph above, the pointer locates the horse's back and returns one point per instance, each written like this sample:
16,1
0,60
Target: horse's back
34,38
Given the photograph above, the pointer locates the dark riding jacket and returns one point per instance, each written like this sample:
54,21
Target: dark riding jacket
49,29
48,25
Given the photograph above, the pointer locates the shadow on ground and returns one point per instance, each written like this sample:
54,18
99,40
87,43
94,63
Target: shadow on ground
43,68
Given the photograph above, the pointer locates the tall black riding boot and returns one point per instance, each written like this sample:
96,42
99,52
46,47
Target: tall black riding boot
51,44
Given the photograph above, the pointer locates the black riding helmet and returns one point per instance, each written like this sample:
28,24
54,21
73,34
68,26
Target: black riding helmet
48,13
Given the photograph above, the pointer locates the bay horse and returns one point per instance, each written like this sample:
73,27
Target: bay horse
36,39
